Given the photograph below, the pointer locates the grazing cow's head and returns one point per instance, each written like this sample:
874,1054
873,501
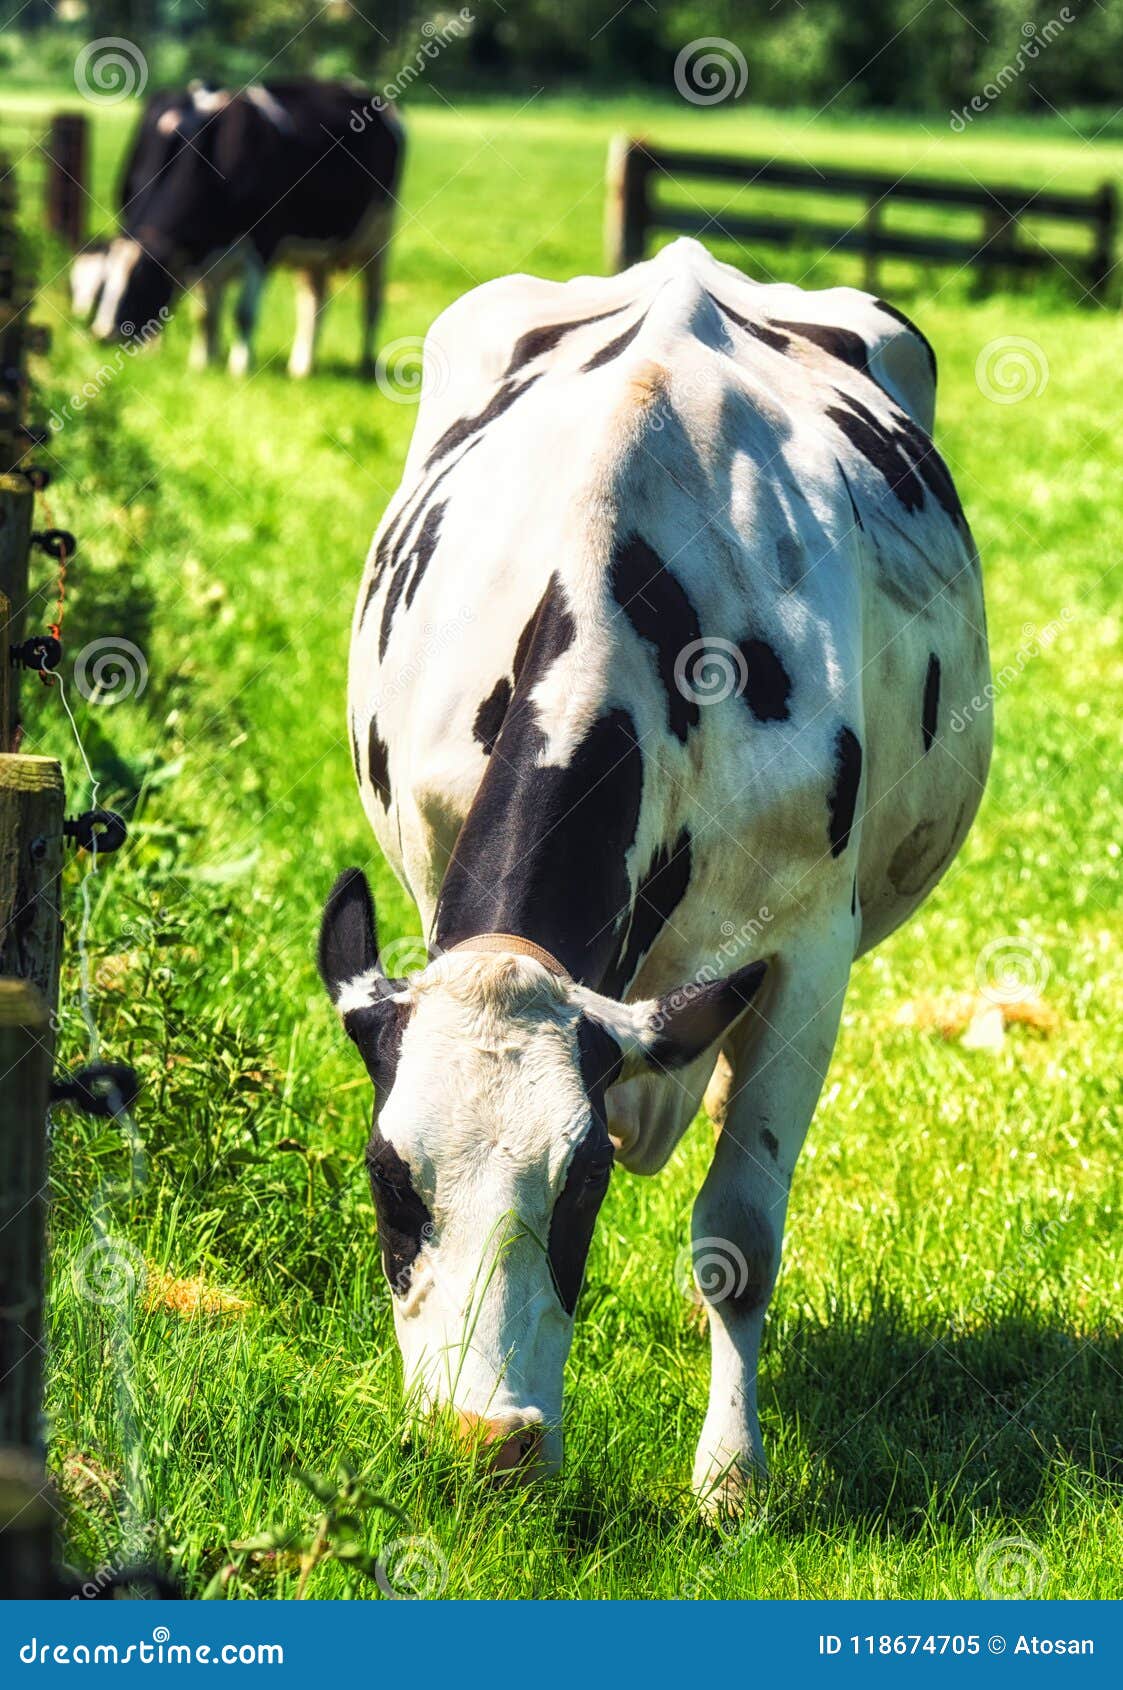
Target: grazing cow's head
490,1155
137,288
87,278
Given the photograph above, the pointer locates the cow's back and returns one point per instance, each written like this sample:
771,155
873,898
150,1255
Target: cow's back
718,505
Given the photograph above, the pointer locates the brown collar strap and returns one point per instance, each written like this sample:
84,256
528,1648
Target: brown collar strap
512,942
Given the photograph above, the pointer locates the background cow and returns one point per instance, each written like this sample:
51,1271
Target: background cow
220,184
720,602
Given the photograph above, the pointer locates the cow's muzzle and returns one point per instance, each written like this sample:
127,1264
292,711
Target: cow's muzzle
510,1444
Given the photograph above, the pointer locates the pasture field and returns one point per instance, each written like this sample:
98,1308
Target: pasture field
943,1364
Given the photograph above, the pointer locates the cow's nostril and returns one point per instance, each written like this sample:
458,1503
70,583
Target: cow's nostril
506,1445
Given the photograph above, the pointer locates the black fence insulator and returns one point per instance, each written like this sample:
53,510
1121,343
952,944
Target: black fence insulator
103,831
56,542
41,652
37,338
33,434
39,476
101,1088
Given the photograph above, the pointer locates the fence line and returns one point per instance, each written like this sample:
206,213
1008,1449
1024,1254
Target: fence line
634,211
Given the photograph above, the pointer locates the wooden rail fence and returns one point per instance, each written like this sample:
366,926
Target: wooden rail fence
634,210
31,845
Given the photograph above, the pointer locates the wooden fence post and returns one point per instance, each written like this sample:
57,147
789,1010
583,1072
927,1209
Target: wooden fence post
67,152
25,1080
27,1521
1102,261
627,204
17,500
32,801
871,227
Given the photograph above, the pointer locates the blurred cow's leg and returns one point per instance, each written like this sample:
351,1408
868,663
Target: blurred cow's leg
206,306
311,296
245,316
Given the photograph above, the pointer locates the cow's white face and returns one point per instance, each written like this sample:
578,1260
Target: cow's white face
87,278
490,1157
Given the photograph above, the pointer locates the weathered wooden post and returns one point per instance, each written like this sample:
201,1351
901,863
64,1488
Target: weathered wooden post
27,1523
67,150
871,228
31,852
1105,219
25,1064
627,203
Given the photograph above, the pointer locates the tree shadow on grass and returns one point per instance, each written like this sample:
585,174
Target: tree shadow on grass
908,1424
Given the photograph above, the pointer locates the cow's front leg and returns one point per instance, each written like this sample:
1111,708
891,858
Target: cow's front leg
778,1059
206,310
311,294
246,313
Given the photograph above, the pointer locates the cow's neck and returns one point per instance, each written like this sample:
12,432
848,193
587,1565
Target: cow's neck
543,850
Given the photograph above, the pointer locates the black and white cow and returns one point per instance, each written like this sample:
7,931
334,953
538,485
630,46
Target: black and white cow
651,678
217,184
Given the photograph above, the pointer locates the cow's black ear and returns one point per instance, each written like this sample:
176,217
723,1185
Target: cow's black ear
667,1032
685,1022
348,937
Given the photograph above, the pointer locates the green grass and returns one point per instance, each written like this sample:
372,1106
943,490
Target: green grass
943,1361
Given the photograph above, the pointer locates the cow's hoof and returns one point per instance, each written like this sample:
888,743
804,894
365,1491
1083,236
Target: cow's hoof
238,362
299,368
725,1486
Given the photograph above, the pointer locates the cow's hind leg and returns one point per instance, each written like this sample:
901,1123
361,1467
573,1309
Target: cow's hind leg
311,296
206,310
246,310
778,1059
